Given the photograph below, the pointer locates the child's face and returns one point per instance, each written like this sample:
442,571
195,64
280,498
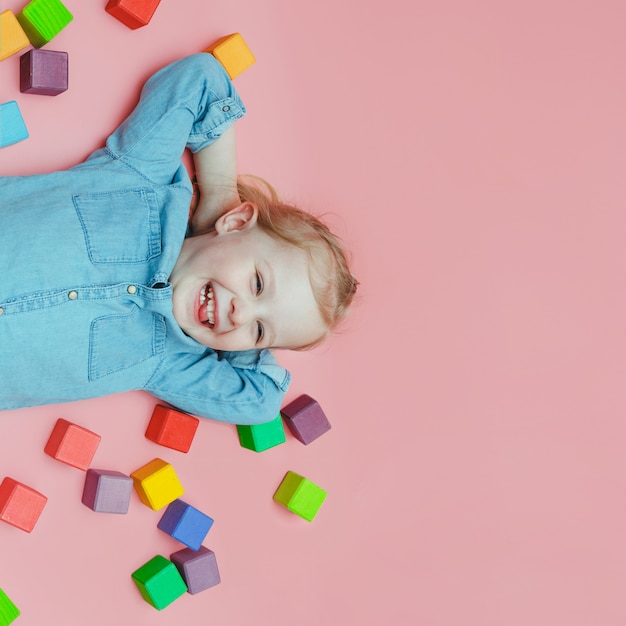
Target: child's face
237,288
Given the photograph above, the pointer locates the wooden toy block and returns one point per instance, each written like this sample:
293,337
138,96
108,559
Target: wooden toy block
8,611
107,491
12,126
305,419
156,484
185,523
72,444
12,35
260,437
20,505
171,428
133,13
42,20
198,568
233,53
159,582
300,495
43,72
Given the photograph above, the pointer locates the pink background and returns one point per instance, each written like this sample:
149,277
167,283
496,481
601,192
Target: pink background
472,155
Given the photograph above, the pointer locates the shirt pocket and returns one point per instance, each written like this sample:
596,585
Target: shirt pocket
118,342
120,226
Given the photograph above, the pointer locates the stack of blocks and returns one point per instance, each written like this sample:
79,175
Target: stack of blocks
193,569
8,611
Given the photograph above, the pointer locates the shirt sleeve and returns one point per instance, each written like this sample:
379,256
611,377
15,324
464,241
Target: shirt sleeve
237,387
187,104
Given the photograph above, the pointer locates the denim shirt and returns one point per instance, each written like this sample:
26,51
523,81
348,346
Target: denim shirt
85,258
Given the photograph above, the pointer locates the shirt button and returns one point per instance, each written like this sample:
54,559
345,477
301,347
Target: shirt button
72,295
131,289
226,108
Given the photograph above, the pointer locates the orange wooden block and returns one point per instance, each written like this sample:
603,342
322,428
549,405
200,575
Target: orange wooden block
171,428
12,35
233,53
72,444
20,505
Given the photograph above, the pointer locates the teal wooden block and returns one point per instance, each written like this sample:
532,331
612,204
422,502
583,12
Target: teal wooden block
8,611
159,582
12,126
42,20
259,437
300,495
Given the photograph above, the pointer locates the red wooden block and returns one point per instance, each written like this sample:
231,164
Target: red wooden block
20,505
171,428
133,13
72,444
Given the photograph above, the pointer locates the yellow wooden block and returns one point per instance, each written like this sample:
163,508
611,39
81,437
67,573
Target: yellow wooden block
157,484
233,53
12,35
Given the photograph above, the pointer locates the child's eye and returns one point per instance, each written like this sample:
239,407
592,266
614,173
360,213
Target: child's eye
259,284
260,332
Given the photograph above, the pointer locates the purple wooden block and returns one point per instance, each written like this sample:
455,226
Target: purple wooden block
305,419
43,72
198,568
107,491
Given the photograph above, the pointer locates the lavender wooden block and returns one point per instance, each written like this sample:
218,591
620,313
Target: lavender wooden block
185,523
305,419
107,491
198,568
43,72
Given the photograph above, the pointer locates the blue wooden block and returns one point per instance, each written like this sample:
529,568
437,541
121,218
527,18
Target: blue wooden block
12,126
185,523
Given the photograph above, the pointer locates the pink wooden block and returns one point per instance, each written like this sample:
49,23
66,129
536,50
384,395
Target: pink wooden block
172,428
133,13
72,444
43,72
20,505
305,419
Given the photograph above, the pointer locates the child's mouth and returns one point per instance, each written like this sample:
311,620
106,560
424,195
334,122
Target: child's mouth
206,312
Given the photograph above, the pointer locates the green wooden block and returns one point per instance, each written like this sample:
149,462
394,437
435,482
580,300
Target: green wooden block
159,582
42,20
259,437
8,610
300,495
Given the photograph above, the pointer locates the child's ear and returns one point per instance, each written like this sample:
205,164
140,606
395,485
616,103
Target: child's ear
238,218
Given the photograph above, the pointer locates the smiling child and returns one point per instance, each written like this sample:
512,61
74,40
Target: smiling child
109,286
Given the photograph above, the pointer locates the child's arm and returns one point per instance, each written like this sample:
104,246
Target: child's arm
216,178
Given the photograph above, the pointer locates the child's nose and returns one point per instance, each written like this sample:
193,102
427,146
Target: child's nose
240,312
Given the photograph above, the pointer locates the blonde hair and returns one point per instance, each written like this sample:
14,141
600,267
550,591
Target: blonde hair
333,284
